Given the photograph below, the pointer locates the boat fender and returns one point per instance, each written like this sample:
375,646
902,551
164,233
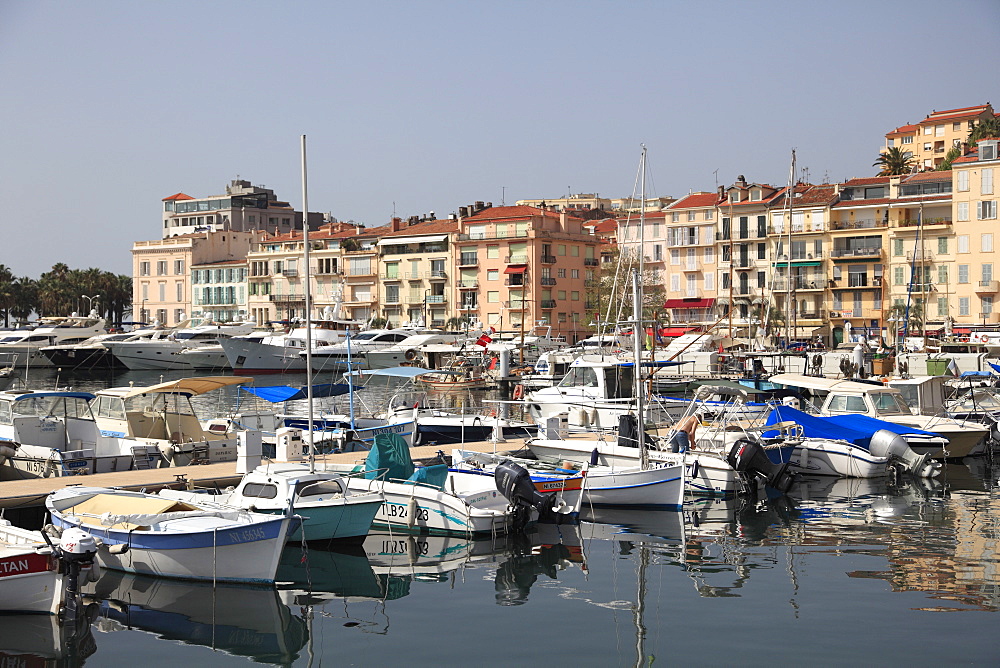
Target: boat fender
984,338
121,548
963,339
410,355
694,469
595,457
518,392
412,508
52,530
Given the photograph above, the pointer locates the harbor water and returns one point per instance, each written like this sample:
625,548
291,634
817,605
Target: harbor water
837,572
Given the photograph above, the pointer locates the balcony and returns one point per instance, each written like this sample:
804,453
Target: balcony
468,307
517,305
436,299
856,224
548,303
288,272
514,282
516,259
390,277
926,222
591,262
286,299
468,284
465,261
919,256
548,259
547,280
437,274
856,252
988,287
800,283
743,263
391,299
415,298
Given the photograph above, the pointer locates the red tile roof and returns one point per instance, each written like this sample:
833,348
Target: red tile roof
519,212
903,130
695,200
444,226
936,117
927,176
177,196
867,181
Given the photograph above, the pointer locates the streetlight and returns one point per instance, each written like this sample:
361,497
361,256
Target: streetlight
90,301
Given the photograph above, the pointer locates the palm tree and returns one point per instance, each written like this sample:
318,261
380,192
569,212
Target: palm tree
894,162
985,128
25,298
6,293
949,158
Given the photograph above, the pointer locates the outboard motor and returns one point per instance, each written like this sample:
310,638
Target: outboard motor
75,551
885,443
749,457
514,482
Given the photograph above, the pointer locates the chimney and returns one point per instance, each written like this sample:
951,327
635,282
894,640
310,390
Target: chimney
396,225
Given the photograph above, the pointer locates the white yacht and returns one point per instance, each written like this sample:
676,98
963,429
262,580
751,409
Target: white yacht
26,345
412,349
165,353
279,352
355,349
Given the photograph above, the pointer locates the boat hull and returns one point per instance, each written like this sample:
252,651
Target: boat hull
30,583
831,458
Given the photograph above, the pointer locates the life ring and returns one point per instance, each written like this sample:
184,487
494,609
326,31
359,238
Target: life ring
963,339
518,391
410,355
492,413
984,339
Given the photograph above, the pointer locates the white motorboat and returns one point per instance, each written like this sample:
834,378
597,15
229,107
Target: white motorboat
410,350
353,351
659,486
845,397
165,353
431,499
26,345
279,352
94,353
330,511
151,535
36,576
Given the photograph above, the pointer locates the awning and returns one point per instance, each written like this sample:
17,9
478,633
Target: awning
797,263
670,331
402,241
961,330
690,302
515,269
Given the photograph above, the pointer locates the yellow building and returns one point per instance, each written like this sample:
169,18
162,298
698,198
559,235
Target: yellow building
931,139
974,210
414,272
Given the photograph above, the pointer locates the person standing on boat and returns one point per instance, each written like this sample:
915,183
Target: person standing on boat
684,435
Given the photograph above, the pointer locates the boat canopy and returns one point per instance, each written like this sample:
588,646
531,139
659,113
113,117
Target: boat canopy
189,386
87,396
280,393
824,384
857,429
391,372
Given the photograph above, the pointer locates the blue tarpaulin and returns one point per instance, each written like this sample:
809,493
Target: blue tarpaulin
975,374
857,429
996,367
278,393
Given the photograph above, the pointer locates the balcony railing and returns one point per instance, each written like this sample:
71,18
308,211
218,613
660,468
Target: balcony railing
517,305
856,252
856,224
548,303
548,259
514,282
926,221
468,307
591,262
516,259
436,299
286,299
289,272
988,287
468,284
390,277
437,273
919,256
391,299
492,234
468,262
548,280
800,283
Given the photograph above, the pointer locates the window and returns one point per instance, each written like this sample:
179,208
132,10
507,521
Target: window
178,267
963,180
675,216
493,296
963,273
906,140
963,243
897,247
709,281
675,282
574,296
492,252
943,274
986,182
709,255
986,210
709,215
691,216
657,253
144,269
963,306
942,245
963,210
561,249
180,291
898,275
761,279
560,273
987,306
761,251
987,272
493,275
161,268
162,292
675,256
928,130
986,243
939,131
575,273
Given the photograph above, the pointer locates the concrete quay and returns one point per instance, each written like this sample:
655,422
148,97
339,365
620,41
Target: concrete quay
32,492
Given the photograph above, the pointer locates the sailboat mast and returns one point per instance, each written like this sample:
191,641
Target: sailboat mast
638,330
788,252
307,290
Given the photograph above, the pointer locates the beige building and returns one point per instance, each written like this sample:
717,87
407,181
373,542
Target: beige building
689,258
161,270
974,210
931,139
219,291
415,266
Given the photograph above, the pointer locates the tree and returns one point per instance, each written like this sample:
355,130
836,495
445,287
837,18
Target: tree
613,286
894,162
986,128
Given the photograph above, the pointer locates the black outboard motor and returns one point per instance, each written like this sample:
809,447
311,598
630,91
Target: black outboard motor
749,457
514,482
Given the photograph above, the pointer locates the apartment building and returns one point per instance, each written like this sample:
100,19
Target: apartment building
931,139
242,208
798,235
415,266
743,210
276,274
521,266
219,291
161,270
974,211
689,258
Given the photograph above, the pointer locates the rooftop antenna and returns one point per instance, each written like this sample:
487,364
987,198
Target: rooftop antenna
716,173
503,195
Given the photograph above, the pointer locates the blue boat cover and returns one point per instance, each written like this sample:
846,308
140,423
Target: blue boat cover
432,476
278,393
72,395
856,429
975,374
389,459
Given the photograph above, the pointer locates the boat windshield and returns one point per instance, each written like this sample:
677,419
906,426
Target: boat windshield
579,376
177,404
63,407
890,403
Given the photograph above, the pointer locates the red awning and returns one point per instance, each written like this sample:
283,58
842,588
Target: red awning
689,303
961,330
676,331
515,269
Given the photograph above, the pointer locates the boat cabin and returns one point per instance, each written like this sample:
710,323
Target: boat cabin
59,420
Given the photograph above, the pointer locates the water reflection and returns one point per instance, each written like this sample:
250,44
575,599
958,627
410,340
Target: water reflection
41,640
239,620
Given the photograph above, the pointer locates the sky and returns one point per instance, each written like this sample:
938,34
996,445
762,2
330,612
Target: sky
411,107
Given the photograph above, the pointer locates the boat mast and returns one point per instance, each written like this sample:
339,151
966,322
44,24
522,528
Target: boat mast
308,299
788,253
638,330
